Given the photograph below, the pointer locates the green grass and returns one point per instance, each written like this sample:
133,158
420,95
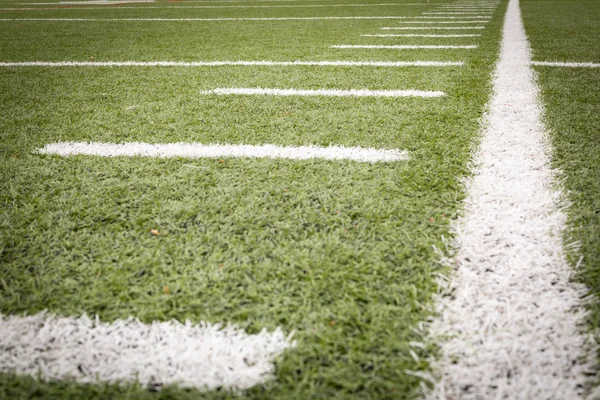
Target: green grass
569,31
339,252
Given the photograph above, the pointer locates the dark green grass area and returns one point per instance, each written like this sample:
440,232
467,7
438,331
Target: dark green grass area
339,252
570,31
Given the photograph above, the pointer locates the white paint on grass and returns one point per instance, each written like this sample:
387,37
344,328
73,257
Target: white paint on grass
324,92
402,46
87,350
219,19
565,64
424,35
479,21
232,63
203,7
512,318
199,150
412,28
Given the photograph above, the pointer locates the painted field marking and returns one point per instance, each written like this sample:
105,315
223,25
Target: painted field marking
444,22
222,19
418,35
324,92
204,7
199,150
204,356
232,63
512,324
458,13
409,28
401,46
565,64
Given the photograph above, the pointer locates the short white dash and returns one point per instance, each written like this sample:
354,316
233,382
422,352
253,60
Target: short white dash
424,35
565,64
325,92
86,350
401,47
198,150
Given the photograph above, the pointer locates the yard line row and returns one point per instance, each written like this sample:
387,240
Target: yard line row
199,150
231,63
87,350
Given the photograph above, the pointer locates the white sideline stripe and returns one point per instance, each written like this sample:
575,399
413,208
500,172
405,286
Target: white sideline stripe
232,63
565,64
408,28
324,92
513,318
227,19
204,356
198,150
400,47
417,35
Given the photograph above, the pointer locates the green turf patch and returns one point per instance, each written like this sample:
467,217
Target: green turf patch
340,252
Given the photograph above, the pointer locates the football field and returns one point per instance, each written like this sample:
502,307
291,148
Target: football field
298,199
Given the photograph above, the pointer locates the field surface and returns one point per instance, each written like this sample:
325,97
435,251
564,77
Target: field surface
341,253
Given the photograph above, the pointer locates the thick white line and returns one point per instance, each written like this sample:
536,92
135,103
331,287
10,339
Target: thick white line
87,350
417,35
325,92
565,64
513,318
198,150
401,47
225,19
232,63
412,28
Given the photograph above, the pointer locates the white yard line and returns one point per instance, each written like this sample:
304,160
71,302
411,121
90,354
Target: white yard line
416,35
565,64
457,13
226,19
232,63
401,47
198,150
512,318
409,28
445,22
324,92
86,350
202,7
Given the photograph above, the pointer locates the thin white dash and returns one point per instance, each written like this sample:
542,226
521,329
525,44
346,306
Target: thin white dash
565,64
445,22
424,35
413,28
458,13
198,150
232,63
204,356
512,326
401,47
325,92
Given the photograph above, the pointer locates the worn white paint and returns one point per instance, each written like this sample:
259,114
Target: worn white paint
231,63
324,92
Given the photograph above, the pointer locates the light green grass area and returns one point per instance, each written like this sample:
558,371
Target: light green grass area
570,31
339,252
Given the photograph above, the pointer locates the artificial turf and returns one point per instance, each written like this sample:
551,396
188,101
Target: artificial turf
339,252
569,31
